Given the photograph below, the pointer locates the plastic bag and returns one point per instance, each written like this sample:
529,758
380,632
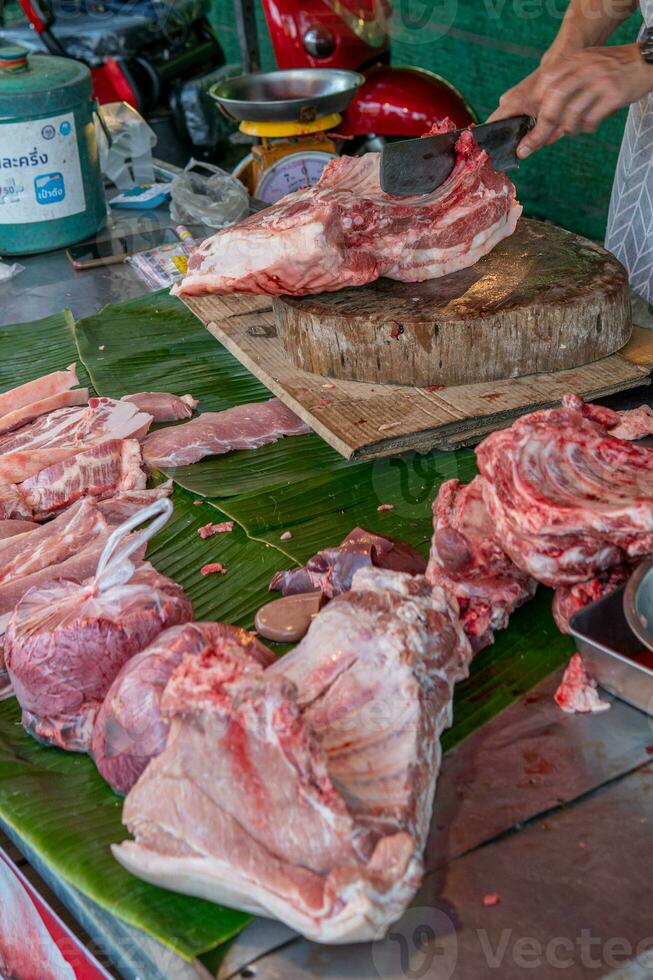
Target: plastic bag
217,201
126,152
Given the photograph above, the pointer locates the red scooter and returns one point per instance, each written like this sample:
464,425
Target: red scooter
353,34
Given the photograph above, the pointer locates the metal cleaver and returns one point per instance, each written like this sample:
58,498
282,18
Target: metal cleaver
419,166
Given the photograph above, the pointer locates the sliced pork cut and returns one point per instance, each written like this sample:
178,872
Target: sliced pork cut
130,728
213,433
331,570
317,802
162,406
21,416
67,640
37,390
103,470
10,528
468,563
346,232
60,435
567,499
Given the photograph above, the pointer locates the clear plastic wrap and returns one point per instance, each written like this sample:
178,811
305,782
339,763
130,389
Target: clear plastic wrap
216,201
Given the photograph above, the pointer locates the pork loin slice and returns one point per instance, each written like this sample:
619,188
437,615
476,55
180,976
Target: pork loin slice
468,563
130,728
346,232
331,570
317,802
67,641
214,433
162,406
40,388
567,499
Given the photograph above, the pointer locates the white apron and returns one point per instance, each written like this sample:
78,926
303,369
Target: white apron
629,233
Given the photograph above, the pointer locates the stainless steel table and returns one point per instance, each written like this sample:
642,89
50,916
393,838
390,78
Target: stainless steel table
554,813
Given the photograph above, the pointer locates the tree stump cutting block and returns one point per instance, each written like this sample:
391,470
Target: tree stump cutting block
543,300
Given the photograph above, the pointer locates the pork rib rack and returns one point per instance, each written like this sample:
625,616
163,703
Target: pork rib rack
346,232
317,800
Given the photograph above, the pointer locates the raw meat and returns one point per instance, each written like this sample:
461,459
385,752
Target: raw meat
130,728
103,470
80,566
162,406
567,499
317,801
570,599
634,423
468,563
8,529
20,416
67,640
331,571
213,433
52,543
27,950
62,434
208,530
346,232
124,504
37,390
577,692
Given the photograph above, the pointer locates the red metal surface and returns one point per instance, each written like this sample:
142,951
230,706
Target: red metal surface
355,28
111,85
403,102
393,101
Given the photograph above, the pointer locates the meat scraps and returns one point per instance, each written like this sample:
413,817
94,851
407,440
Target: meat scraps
577,692
568,500
570,599
346,232
214,433
331,571
317,802
162,406
130,728
468,563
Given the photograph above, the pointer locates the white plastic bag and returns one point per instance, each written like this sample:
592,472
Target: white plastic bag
217,201
126,156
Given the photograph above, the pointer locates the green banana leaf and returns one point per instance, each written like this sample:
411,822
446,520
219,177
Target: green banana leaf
59,804
28,350
298,485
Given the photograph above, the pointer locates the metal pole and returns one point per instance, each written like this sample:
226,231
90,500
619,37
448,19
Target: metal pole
250,54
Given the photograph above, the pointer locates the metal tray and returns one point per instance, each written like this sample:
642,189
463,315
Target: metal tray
638,602
614,655
295,95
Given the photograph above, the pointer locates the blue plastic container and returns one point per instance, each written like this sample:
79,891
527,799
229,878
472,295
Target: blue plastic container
51,192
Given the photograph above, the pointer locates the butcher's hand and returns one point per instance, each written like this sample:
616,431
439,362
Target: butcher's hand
574,92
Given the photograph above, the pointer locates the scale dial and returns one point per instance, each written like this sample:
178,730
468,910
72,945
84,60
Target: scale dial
292,173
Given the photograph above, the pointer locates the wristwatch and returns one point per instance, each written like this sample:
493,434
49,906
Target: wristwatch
646,45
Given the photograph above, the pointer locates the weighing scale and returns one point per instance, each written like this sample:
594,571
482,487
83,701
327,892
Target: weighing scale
294,115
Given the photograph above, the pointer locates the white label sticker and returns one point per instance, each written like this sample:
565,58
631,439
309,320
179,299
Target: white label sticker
40,175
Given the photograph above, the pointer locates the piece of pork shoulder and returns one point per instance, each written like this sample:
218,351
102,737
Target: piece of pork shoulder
468,563
67,640
568,500
317,803
331,570
130,728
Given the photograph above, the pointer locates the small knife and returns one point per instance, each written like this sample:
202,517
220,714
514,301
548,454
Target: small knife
419,166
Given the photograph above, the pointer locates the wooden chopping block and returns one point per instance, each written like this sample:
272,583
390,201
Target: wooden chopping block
543,300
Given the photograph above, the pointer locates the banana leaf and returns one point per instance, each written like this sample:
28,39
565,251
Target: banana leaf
28,350
59,804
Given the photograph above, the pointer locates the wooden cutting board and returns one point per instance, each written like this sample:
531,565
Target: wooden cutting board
543,300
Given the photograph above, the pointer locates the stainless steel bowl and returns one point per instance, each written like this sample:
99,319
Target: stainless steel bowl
296,95
638,602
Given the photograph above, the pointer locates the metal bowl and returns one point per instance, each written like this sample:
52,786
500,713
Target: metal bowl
638,602
296,95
